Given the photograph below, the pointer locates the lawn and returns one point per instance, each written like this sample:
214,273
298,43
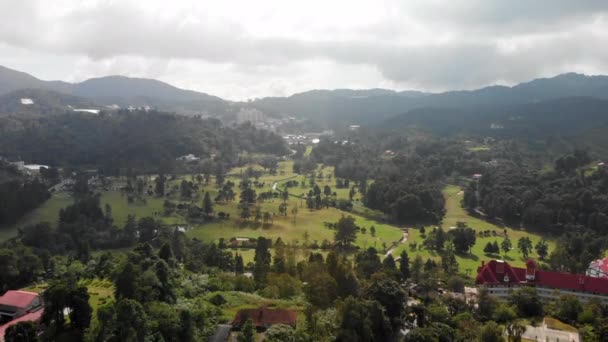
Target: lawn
293,231
101,291
47,212
469,263
236,301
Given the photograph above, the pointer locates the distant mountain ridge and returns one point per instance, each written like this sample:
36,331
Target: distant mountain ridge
121,90
325,108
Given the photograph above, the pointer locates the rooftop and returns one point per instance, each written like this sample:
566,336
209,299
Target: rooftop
18,299
498,272
264,317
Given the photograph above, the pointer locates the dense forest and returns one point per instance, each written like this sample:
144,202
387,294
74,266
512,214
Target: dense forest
569,201
147,141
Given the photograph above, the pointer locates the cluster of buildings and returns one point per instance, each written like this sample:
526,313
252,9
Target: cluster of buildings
19,306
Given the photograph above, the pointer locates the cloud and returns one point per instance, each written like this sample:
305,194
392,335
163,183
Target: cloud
427,44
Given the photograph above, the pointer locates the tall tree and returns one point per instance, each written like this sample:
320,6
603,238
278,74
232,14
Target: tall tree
262,259
207,205
404,265
346,231
524,244
542,249
506,245
247,332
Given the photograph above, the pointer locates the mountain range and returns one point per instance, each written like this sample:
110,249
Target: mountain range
325,108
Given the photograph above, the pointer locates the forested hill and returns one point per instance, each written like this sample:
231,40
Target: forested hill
578,121
365,107
142,140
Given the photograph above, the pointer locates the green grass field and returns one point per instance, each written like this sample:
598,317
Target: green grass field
101,291
469,263
47,212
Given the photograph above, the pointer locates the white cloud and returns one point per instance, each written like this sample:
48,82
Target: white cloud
240,49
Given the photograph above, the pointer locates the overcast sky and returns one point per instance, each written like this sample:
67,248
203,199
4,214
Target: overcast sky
245,49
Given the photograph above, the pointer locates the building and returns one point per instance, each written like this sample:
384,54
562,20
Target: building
263,318
19,306
500,278
598,268
188,158
14,304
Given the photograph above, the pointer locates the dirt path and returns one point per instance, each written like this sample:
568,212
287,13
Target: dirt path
402,241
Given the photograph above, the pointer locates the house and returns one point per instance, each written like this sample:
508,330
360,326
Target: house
19,306
500,278
14,304
598,268
263,318
188,158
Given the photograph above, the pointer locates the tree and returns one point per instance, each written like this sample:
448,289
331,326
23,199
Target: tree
279,256
388,264
262,259
390,295
506,245
524,245
352,193
488,249
463,239
486,304
367,262
542,249
449,262
327,191
186,189
280,333
404,265
166,253
21,332
346,231
67,294
417,265
567,308
247,332
130,321
527,302
126,282
514,331
238,264
491,332
207,205
187,328
159,185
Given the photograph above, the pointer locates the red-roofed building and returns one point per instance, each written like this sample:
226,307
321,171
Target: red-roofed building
598,268
499,278
29,317
263,318
14,304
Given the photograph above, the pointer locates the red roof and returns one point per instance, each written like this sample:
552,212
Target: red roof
30,317
492,274
263,317
18,299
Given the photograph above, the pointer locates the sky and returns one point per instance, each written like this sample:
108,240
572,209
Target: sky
246,49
